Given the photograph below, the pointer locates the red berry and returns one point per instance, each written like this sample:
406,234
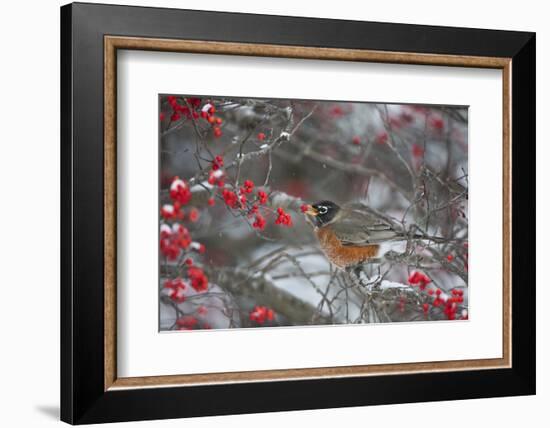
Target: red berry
199,281
260,314
262,197
420,279
179,191
417,151
248,186
187,322
194,215
437,123
259,222
382,138
283,218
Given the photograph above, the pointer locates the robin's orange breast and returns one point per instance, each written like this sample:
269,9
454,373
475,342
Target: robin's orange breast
344,255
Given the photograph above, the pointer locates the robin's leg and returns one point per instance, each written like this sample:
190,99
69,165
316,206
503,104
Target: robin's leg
354,273
356,270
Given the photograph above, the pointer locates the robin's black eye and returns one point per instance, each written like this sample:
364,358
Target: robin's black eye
322,210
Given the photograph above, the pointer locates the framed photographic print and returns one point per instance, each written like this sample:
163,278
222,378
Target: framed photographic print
273,213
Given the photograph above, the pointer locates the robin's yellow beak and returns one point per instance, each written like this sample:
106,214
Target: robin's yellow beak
311,211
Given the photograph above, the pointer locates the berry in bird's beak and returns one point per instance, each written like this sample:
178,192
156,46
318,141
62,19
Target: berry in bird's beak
309,210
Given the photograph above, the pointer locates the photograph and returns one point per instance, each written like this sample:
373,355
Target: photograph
290,212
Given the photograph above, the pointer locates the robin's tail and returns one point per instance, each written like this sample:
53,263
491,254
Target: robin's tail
437,239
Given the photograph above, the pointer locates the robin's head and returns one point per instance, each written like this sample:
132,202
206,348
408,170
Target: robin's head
322,213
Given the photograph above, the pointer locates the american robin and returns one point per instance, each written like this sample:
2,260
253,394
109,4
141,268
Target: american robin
352,234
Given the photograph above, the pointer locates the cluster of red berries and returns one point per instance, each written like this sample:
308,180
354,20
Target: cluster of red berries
176,288
283,218
450,310
242,198
187,109
199,281
458,295
190,108
207,113
216,177
401,120
419,279
261,314
449,304
230,198
189,322
172,211
262,197
438,301
173,240
217,163
179,191
247,187
406,118
337,111
259,222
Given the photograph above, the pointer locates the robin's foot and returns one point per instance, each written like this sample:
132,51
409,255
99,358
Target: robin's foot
362,278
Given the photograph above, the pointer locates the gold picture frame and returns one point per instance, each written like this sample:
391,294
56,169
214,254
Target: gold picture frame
114,43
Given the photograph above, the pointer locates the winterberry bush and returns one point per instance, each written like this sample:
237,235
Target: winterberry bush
236,175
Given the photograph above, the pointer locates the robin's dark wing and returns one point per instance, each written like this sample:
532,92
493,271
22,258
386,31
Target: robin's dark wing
357,225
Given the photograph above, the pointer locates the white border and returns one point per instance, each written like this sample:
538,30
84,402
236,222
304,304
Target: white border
142,351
